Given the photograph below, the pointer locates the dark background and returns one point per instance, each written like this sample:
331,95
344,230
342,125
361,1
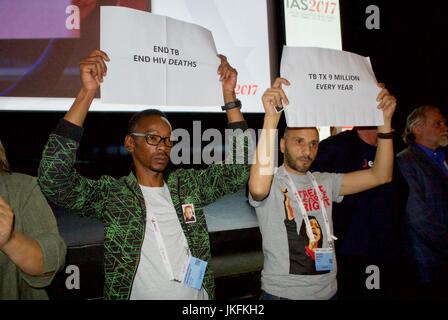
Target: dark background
408,53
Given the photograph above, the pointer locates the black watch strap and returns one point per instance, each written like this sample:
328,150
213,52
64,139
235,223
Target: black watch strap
231,105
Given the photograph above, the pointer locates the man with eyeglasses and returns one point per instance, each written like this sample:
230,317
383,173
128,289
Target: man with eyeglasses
150,251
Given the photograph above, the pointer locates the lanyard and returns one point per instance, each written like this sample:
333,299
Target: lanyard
323,209
161,245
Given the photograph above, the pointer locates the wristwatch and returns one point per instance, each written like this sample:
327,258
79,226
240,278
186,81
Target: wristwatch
231,105
386,135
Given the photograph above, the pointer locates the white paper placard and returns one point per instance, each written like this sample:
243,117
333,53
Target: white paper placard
158,61
329,88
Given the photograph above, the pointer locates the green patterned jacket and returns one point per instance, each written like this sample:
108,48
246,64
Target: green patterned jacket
119,203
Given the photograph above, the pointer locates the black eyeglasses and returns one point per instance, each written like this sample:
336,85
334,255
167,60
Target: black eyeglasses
153,139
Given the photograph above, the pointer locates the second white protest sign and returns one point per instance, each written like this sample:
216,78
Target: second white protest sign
329,88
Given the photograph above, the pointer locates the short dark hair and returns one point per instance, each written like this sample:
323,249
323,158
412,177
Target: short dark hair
285,133
142,114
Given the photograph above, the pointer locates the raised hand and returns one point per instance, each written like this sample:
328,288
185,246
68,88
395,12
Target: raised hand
275,98
387,103
93,69
228,77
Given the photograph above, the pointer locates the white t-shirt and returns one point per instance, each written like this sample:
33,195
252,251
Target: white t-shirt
152,281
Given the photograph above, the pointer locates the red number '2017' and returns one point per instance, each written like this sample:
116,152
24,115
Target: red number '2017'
246,89
316,6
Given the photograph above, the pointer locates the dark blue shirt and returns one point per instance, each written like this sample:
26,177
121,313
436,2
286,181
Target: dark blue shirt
437,156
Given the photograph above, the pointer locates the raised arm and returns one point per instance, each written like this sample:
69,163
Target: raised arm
57,177
92,70
262,170
228,77
219,179
381,172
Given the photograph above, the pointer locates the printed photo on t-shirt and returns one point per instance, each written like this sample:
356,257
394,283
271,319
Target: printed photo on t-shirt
302,258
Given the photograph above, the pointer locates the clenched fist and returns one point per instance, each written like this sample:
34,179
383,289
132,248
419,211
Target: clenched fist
93,69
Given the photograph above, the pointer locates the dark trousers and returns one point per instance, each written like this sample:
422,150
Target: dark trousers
267,296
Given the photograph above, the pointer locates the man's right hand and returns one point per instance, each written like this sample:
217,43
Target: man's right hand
93,69
275,97
262,170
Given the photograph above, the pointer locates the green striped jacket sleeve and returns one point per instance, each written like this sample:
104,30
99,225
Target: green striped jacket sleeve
217,180
59,180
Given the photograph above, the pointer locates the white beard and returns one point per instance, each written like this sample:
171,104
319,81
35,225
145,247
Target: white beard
443,141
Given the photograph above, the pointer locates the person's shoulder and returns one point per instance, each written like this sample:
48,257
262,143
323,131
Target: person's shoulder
322,176
406,153
19,179
179,175
278,176
410,159
20,186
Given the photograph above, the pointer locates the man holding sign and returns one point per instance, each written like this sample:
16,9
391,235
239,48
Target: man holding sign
151,252
294,206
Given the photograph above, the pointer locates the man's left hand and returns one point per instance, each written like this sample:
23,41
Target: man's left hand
386,102
228,77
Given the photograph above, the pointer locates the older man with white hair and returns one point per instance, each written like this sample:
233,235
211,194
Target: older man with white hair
425,169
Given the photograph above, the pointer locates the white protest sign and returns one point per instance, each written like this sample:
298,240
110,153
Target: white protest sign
329,88
158,61
240,29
